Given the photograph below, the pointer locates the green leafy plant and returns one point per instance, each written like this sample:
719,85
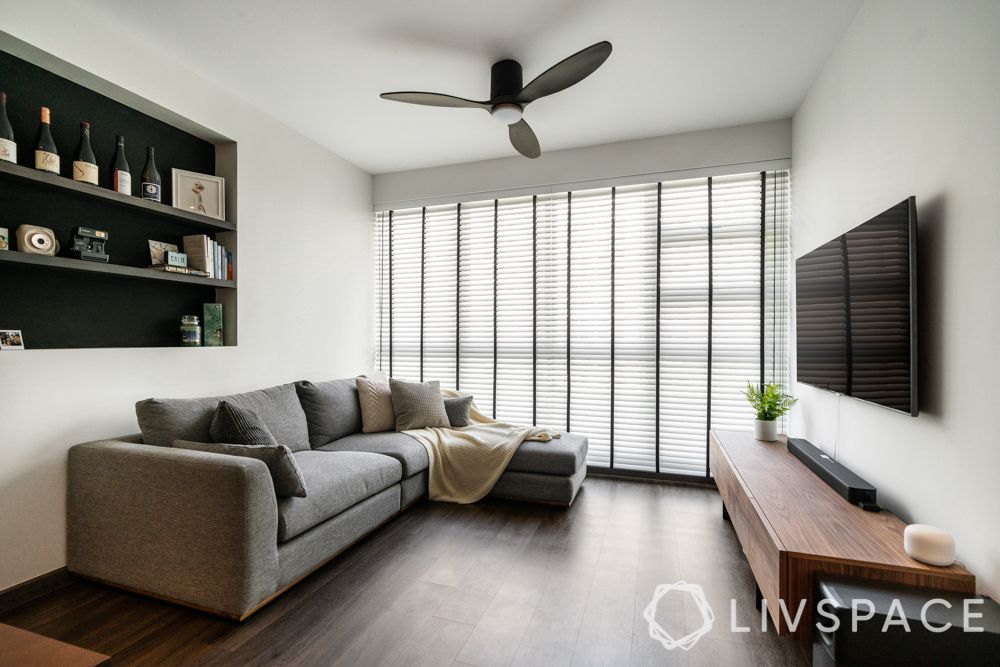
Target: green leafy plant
769,402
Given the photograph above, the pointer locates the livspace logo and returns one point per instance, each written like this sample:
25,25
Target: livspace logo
861,610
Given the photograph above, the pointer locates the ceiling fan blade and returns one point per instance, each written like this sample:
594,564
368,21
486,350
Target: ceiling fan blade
435,100
564,74
523,138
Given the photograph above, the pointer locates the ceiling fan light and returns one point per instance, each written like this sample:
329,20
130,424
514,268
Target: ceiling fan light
508,114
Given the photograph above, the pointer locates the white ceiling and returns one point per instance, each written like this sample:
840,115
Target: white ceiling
319,66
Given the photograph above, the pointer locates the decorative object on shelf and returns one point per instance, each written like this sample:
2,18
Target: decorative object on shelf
4,239
8,148
213,324
175,259
770,403
121,175
84,162
190,331
46,153
151,183
88,244
158,251
11,339
36,240
928,544
200,193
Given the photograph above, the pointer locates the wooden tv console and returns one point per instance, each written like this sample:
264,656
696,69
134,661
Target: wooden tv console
793,526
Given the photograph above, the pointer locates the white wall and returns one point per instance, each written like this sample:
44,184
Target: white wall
726,150
909,103
304,294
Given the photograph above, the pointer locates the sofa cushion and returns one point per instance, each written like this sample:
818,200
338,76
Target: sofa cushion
285,474
458,410
163,420
336,482
238,426
418,405
562,456
376,405
332,409
408,451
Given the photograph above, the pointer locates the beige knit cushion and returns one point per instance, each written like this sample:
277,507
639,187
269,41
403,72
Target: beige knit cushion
418,405
376,405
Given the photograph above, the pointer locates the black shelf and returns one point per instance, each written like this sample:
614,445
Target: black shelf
15,172
70,264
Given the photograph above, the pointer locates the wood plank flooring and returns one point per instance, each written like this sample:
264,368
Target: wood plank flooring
496,583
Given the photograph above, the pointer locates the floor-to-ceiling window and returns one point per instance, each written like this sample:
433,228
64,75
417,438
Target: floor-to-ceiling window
635,314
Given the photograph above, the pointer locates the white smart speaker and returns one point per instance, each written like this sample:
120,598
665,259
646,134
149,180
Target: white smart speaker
929,544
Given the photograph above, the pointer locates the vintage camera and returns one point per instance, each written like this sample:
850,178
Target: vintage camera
37,240
88,244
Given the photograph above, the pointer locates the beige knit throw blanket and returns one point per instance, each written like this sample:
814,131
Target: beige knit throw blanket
466,462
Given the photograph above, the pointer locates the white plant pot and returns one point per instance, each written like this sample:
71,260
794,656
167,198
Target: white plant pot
765,430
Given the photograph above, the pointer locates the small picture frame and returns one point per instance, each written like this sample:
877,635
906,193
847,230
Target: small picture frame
4,239
158,251
11,339
200,193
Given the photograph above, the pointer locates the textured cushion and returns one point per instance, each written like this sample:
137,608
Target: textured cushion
458,410
163,420
332,409
562,456
285,474
408,451
239,426
376,405
418,405
336,481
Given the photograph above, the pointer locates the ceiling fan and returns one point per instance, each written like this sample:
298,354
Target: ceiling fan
508,98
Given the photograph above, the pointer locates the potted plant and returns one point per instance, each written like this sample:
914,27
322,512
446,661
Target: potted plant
770,403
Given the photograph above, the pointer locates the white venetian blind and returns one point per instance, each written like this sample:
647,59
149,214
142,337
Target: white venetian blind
634,315
440,296
683,369
635,327
405,241
551,366
475,303
736,296
515,310
380,281
590,321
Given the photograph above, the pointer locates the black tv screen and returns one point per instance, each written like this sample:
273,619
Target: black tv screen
856,311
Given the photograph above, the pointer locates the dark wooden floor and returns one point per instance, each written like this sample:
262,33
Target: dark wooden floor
496,583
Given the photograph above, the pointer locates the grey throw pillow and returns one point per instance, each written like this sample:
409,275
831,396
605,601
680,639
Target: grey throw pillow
375,400
285,473
239,426
418,405
332,409
458,410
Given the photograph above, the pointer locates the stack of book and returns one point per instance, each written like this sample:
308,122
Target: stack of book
205,254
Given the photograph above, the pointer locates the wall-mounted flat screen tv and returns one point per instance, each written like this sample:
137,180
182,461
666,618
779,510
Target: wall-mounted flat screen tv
856,311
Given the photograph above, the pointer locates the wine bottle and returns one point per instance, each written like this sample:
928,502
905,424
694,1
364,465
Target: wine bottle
121,176
8,149
84,162
150,178
46,153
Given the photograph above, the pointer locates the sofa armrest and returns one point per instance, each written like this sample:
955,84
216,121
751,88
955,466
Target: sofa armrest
193,527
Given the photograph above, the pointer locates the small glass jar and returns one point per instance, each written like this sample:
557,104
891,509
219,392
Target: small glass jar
190,331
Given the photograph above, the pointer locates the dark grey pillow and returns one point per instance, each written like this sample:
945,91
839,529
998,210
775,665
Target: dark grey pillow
332,409
418,405
238,426
458,410
285,473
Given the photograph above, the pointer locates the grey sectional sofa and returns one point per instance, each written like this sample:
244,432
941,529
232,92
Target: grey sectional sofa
206,530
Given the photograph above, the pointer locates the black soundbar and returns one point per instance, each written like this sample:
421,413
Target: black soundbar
856,490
